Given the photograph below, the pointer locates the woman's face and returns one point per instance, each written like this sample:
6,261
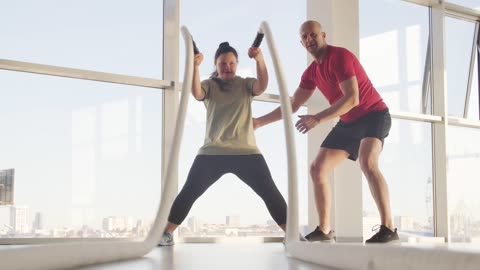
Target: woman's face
226,65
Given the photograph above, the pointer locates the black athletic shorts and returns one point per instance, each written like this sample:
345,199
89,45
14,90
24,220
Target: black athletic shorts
347,136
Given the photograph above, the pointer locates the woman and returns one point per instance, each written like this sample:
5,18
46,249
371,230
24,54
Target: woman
230,142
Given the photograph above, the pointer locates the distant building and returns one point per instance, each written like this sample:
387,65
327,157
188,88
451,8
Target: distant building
141,228
19,218
403,223
6,224
460,227
232,221
38,222
6,186
107,224
110,224
194,224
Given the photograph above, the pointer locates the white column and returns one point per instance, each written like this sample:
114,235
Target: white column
339,19
316,136
171,29
439,129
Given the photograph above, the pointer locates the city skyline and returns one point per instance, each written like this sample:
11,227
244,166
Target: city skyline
129,227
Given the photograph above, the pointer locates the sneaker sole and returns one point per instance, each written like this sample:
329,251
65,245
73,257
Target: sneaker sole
393,242
322,241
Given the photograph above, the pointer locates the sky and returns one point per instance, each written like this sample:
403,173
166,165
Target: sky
86,150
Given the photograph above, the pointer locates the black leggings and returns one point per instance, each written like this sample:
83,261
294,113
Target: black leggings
207,169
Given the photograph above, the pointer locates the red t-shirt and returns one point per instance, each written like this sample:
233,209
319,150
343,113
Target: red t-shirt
338,65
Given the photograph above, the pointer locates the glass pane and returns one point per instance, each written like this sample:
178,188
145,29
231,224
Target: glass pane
124,37
463,185
271,141
230,198
474,105
406,163
85,156
394,51
459,41
466,3
237,22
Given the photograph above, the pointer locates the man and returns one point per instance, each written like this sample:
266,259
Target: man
364,123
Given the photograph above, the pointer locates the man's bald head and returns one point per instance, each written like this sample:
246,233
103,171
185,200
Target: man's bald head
311,23
313,38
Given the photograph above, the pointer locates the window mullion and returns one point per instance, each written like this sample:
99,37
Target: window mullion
426,85
470,73
478,66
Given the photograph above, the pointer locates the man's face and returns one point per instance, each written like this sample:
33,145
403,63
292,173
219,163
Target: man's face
312,38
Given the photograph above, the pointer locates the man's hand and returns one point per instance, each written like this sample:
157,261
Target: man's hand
306,122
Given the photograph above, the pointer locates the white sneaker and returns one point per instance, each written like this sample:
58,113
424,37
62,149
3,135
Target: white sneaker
166,240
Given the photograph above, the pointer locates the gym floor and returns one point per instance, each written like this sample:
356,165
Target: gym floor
214,256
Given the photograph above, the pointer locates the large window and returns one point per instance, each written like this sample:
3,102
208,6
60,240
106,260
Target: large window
459,45
474,101
394,51
271,141
123,37
474,104
406,163
394,54
86,156
463,185
466,3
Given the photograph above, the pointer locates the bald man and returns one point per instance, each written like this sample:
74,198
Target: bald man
364,124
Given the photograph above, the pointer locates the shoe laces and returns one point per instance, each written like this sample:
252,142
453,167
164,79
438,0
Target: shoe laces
317,230
168,235
379,232
376,228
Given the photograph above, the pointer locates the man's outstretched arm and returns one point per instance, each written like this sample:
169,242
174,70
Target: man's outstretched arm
299,98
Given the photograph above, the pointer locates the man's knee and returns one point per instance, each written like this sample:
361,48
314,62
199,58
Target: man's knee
369,166
318,174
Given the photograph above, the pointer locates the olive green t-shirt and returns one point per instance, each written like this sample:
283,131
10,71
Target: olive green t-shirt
229,129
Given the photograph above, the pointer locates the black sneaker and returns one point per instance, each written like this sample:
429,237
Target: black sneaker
383,235
318,235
